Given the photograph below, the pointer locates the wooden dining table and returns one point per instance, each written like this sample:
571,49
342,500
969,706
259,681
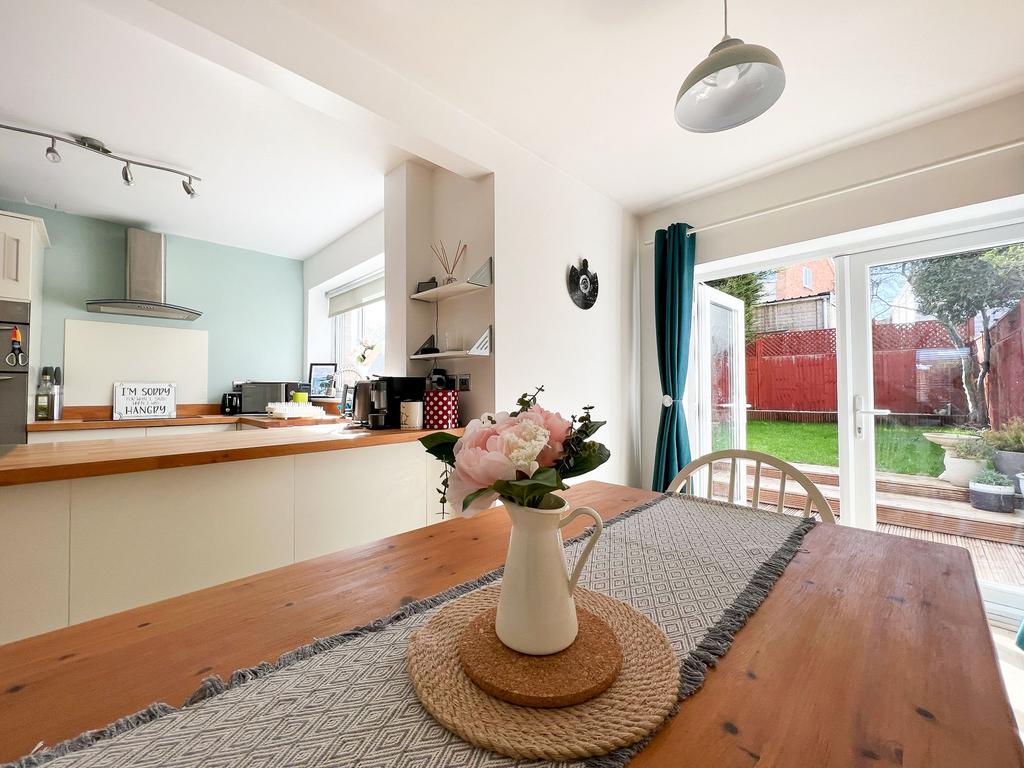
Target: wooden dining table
871,650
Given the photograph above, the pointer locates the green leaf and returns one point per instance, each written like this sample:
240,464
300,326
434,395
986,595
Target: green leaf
592,456
474,496
440,445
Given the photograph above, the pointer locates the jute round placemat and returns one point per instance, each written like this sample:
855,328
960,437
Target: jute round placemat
636,703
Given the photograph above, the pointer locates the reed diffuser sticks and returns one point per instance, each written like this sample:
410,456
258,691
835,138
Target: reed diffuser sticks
449,264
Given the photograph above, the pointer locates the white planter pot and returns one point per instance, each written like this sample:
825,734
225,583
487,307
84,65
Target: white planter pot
536,610
960,472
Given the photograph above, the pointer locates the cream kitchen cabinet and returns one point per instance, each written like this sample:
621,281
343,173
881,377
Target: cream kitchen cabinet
22,240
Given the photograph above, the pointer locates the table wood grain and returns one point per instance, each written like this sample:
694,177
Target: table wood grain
871,650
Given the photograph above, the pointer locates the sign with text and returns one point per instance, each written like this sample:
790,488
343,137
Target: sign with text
144,400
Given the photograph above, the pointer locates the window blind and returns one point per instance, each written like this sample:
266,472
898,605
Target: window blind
356,296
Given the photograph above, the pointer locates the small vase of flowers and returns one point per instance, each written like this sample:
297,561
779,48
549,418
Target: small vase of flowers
522,458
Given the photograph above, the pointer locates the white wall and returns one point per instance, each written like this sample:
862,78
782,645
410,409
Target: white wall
323,270
544,219
988,178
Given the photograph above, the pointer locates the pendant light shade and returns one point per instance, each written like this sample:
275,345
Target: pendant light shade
736,82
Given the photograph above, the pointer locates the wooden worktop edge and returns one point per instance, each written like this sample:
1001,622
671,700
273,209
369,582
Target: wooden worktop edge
79,467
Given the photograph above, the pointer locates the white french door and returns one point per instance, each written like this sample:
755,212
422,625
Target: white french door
718,403
859,418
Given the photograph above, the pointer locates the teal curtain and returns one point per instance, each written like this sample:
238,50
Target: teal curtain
673,314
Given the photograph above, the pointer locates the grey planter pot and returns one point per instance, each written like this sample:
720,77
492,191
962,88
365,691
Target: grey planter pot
992,498
1010,463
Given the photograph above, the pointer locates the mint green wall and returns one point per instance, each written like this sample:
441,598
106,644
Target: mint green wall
251,302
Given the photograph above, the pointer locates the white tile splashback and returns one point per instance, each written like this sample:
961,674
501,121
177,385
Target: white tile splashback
96,354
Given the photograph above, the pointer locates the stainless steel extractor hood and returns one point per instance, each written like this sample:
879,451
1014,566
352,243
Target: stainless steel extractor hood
145,280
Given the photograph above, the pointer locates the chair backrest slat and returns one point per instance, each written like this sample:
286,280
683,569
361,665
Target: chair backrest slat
815,500
756,499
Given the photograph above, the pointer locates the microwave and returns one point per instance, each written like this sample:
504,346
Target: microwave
257,394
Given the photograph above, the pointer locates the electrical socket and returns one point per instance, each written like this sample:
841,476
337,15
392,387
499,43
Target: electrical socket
463,382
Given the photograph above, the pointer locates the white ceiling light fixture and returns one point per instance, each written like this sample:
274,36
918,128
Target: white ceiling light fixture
736,82
51,152
97,146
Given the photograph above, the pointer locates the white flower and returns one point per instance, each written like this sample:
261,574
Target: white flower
523,442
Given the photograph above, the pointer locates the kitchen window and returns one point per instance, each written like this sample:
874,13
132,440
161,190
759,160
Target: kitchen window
358,316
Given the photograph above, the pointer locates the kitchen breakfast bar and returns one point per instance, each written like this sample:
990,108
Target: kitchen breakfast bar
89,528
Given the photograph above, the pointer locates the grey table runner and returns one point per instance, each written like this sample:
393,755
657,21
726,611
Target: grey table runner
696,568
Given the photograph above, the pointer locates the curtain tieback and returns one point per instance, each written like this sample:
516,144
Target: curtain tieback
667,401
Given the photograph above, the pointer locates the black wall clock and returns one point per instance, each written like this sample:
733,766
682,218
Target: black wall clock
582,284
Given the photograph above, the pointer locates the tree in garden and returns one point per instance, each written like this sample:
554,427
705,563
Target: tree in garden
747,288
959,287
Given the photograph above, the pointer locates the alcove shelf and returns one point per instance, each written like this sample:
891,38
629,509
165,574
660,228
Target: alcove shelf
482,278
443,292
461,353
482,348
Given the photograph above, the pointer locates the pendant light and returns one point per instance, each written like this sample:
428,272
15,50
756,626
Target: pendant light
736,82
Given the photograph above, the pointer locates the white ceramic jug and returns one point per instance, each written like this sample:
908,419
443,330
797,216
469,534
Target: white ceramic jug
536,611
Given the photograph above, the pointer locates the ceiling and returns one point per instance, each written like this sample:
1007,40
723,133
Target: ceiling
590,85
278,177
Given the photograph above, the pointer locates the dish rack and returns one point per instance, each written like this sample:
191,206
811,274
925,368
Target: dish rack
295,411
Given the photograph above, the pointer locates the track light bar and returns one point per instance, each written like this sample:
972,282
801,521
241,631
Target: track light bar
93,145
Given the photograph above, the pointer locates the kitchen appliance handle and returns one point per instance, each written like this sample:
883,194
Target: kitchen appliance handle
6,378
7,327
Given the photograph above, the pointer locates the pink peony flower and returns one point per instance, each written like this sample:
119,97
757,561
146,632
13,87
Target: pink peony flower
558,431
477,468
498,446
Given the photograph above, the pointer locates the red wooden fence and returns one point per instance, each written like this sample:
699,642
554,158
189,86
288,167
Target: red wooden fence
1006,377
916,369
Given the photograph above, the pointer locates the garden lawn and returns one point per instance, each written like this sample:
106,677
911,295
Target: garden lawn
897,448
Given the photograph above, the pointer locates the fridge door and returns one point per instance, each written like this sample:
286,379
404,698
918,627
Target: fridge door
13,407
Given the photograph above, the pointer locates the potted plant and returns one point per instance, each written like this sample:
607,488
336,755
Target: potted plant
1008,444
965,461
992,491
522,458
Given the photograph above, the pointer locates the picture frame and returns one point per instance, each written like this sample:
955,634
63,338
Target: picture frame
320,378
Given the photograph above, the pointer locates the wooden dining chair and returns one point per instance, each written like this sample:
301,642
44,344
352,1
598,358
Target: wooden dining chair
815,500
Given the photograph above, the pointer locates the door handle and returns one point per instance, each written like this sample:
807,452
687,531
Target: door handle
860,412
6,378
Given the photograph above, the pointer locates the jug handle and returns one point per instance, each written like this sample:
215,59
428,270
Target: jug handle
582,559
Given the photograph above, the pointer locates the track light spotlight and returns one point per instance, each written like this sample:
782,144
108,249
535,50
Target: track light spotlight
98,147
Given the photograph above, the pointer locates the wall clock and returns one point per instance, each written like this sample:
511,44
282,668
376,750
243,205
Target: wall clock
582,284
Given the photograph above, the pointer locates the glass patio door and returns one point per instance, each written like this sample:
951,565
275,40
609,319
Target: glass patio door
719,335
931,357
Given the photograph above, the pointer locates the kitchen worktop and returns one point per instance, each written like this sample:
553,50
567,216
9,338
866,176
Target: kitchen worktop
251,420
43,462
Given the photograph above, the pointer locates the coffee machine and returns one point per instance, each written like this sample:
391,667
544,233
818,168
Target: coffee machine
377,402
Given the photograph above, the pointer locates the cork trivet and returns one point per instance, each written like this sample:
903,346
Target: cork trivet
636,703
572,676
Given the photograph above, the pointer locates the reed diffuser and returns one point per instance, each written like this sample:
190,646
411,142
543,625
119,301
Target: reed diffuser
448,263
